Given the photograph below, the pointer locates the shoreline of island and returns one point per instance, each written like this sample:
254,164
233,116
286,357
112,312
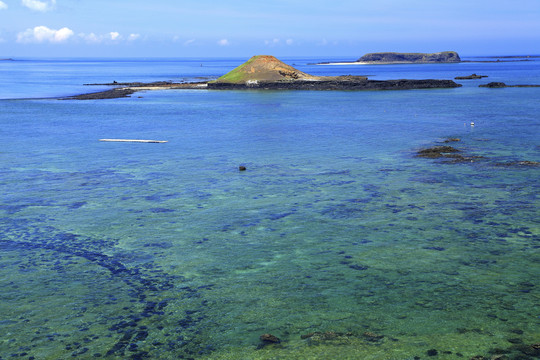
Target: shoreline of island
316,85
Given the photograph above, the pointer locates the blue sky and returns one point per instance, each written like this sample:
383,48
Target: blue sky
347,28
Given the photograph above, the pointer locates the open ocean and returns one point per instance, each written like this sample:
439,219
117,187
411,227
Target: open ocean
337,239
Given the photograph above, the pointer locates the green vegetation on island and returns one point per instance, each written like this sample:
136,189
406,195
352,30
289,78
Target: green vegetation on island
263,68
394,57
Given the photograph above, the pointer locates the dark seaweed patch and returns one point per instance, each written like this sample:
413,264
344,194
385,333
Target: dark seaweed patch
146,284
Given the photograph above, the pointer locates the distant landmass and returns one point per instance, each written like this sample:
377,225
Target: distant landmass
407,58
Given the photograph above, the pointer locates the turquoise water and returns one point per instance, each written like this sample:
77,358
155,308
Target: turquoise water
337,239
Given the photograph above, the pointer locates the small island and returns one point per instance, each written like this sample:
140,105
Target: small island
470,77
389,58
265,72
410,58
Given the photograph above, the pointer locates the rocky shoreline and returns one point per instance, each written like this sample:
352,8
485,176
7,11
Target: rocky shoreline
403,84
128,89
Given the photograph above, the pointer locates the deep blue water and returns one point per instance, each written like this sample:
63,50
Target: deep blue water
337,239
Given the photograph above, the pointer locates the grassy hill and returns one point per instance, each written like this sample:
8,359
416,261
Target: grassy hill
264,68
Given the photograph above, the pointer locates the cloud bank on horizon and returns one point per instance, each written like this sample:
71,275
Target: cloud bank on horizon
242,27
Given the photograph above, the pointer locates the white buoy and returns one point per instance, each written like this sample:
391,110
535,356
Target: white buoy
134,140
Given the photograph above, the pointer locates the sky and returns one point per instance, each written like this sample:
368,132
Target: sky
236,28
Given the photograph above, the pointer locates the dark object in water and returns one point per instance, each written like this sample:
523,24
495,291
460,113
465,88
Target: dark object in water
436,152
242,168
108,94
269,339
494,85
432,352
519,163
369,336
470,77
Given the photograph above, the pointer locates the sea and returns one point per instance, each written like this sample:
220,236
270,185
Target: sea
337,242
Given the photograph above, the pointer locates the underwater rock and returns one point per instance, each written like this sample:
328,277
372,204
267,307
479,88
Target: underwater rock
519,163
269,339
515,340
452,140
359,267
436,152
332,337
369,336
530,350
432,352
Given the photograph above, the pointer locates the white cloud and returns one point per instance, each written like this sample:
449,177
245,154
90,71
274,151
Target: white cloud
114,36
41,34
271,42
38,5
189,42
223,42
91,38
276,42
323,42
3,5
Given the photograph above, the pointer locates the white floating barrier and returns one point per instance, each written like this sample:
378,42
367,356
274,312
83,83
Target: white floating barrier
134,140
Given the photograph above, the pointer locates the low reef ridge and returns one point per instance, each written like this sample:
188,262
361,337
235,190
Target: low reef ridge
267,72
408,58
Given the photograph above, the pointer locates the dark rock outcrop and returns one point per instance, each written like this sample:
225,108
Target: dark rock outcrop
494,85
503,85
108,94
403,84
470,77
394,57
269,339
519,163
436,152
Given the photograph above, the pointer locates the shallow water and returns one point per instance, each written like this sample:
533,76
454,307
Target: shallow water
167,251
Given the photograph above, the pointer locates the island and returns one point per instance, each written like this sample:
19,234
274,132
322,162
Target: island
410,58
503,85
265,72
389,58
470,77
